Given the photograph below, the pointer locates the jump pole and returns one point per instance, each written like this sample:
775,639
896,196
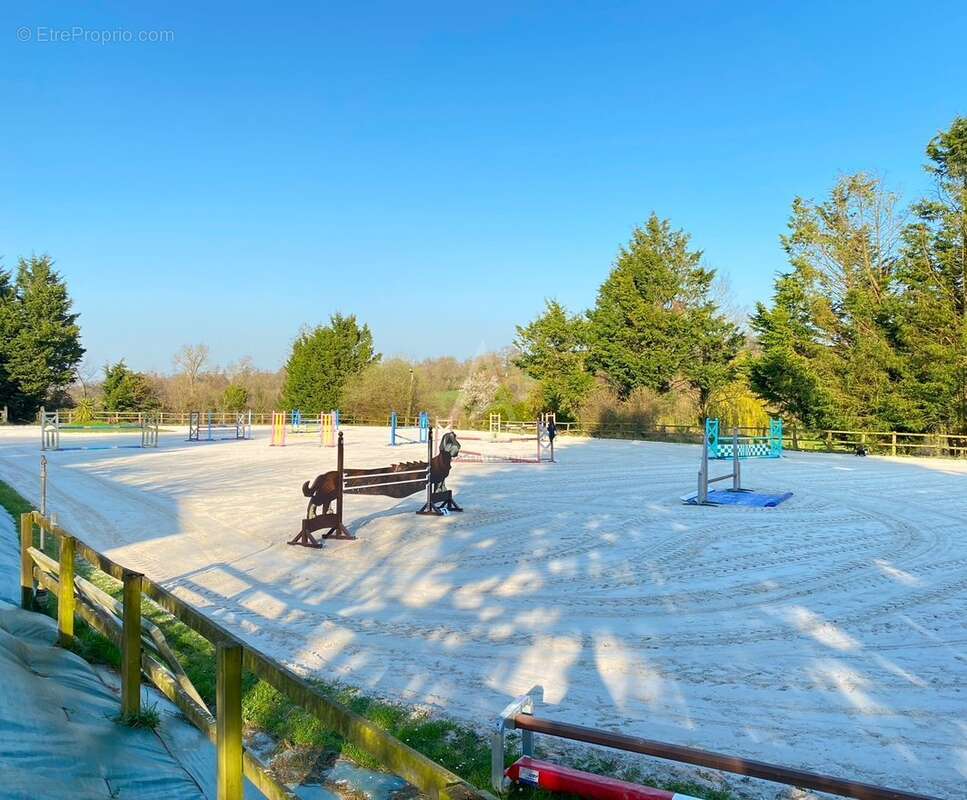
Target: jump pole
532,771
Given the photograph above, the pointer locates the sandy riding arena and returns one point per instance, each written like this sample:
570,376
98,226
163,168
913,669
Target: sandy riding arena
829,633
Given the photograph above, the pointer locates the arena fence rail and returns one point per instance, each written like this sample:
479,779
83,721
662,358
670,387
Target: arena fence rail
144,653
892,443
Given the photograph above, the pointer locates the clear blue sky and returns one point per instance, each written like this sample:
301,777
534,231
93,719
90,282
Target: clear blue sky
436,171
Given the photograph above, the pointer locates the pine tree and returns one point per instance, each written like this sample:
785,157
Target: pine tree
126,390
655,325
829,352
322,360
933,294
235,397
554,351
39,337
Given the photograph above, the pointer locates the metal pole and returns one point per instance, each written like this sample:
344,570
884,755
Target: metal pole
736,464
703,472
429,470
340,477
43,495
409,398
712,760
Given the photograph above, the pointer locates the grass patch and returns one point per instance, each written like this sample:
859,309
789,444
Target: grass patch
148,717
463,750
13,503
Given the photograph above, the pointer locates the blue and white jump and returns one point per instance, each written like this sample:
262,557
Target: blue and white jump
396,437
758,446
736,448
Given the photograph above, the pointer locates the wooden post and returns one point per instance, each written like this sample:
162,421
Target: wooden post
893,443
340,476
26,562
131,646
228,726
65,600
795,437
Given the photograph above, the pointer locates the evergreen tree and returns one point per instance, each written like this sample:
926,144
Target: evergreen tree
9,326
126,390
235,397
39,337
553,350
790,373
933,294
830,354
322,360
654,324
712,347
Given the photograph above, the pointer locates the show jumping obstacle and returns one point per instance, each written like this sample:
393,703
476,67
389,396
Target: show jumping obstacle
543,774
737,450
749,446
205,429
278,429
422,430
545,428
398,480
325,425
51,428
704,481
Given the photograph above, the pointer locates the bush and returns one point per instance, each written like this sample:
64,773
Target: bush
84,411
644,410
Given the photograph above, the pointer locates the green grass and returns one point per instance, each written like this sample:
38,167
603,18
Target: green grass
463,750
13,503
148,717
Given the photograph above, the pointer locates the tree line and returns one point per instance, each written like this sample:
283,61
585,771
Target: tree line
866,329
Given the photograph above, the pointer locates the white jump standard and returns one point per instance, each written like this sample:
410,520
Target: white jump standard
51,428
208,430
545,429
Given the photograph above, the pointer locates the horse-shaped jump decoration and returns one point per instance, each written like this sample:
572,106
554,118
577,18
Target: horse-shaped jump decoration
397,480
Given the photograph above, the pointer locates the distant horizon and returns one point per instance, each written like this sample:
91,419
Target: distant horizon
437,172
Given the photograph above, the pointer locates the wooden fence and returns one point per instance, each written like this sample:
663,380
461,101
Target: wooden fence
144,650
894,443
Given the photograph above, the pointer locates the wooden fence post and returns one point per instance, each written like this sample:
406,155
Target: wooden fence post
26,562
893,443
795,437
228,727
65,599
131,646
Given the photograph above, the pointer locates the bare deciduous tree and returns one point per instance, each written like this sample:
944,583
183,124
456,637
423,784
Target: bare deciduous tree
191,360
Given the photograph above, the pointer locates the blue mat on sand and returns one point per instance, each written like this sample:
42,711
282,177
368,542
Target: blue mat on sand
749,499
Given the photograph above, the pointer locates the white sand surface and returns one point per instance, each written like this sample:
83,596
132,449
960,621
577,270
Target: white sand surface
829,633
